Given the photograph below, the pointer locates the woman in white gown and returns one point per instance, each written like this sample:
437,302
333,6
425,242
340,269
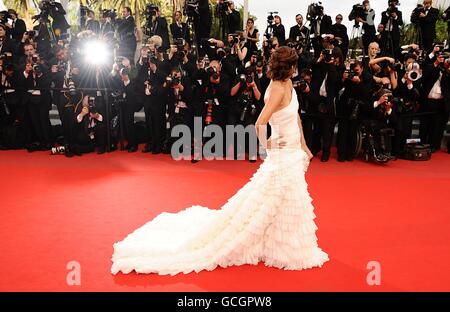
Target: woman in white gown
270,219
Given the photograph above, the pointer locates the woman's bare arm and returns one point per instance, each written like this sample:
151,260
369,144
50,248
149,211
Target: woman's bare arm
302,138
272,103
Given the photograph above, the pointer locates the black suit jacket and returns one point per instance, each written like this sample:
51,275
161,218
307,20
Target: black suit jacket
320,70
396,23
428,23
234,22
160,29
325,25
295,32
93,25
126,31
18,30
57,12
180,32
280,33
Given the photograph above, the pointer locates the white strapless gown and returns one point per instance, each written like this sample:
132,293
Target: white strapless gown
270,219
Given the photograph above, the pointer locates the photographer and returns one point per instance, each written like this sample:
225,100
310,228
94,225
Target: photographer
324,85
278,30
357,94
320,25
91,23
233,18
299,32
155,107
378,118
425,17
18,27
7,46
179,101
409,93
202,22
157,25
339,31
302,83
214,96
11,109
368,25
251,35
127,39
435,96
178,29
37,99
392,20
89,129
106,26
244,103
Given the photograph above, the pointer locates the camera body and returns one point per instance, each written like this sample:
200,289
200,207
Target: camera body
358,10
314,10
248,107
351,74
91,103
301,85
150,10
111,13
4,16
212,72
328,55
172,81
415,15
392,8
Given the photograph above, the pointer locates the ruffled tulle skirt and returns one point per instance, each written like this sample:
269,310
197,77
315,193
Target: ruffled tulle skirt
270,219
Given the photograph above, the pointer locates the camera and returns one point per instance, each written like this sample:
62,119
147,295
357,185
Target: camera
328,55
71,86
150,10
387,64
37,69
35,58
446,15
351,74
249,108
314,10
6,56
180,43
236,38
191,8
112,14
392,7
45,6
172,81
301,85
297,44
357,11
124,71
32,33
4,16
414,73
59,150
271,17
246,78
118,60
212,72
92,107
415,15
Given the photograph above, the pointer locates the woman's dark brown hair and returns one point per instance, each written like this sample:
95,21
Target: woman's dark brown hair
281,63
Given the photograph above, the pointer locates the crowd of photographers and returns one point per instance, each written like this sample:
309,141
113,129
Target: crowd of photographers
99,78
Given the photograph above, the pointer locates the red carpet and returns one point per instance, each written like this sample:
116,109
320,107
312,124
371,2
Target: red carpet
55,210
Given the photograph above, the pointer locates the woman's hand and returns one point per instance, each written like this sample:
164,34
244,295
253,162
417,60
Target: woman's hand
308,152
278,143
